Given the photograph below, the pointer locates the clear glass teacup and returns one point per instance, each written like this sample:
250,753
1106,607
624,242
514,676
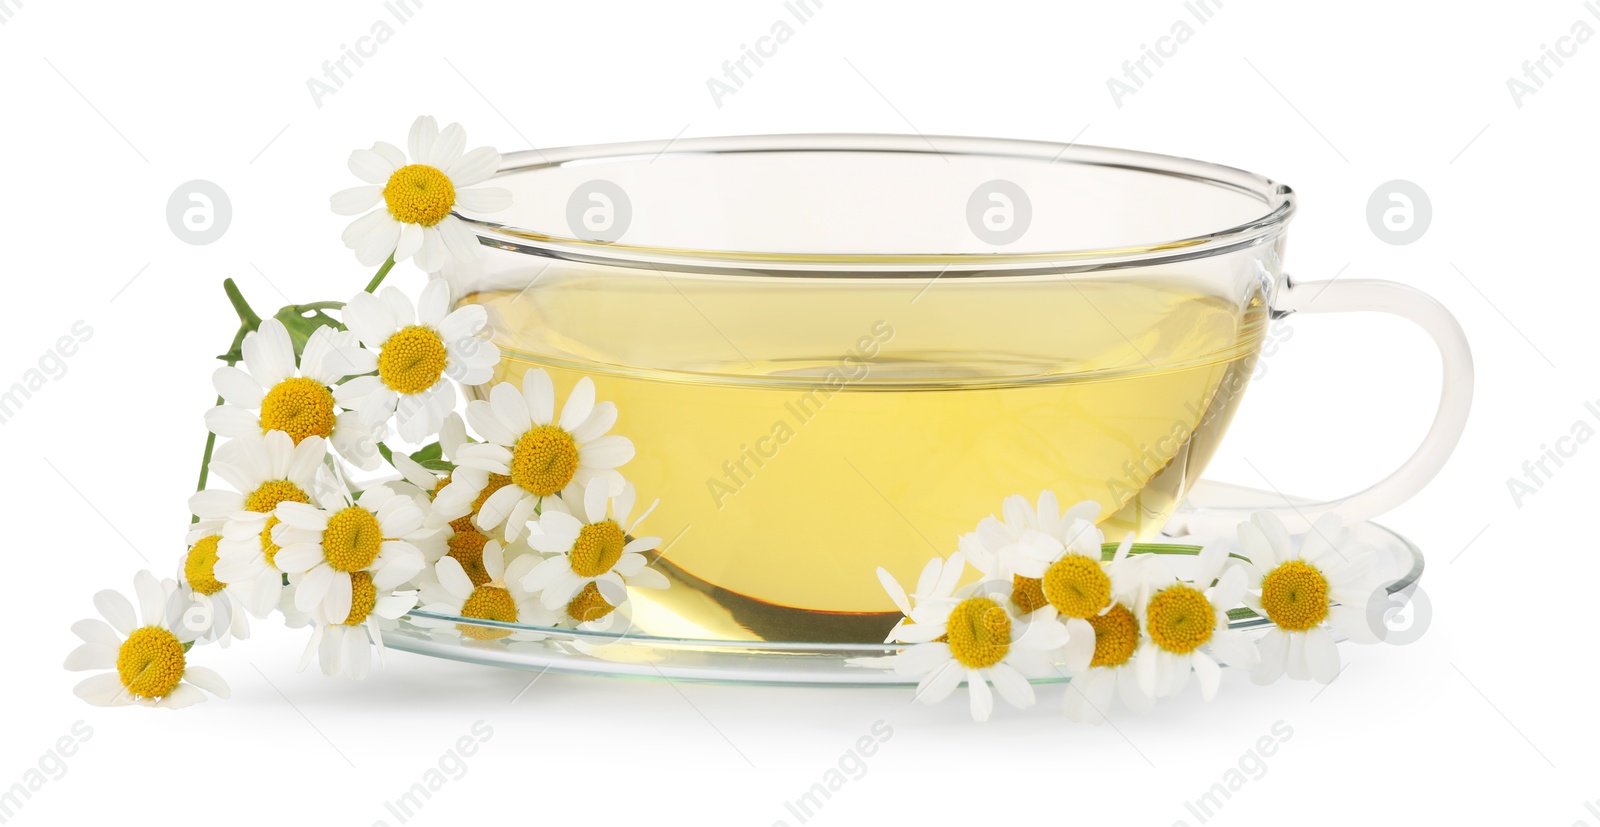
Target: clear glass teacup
840,352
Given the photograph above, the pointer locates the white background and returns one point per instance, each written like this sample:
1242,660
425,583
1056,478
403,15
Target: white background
1487,718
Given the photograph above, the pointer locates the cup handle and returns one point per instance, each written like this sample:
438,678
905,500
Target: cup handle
1455,399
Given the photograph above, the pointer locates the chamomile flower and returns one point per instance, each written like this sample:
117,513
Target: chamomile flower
540,455
327,552
501,598
592,560
937,582
197,576
415,216
1308,593
1111,671
264,473
1077,585
345,647
1186,628
415,351
149,663
976,639
422,484
272,394
1019,543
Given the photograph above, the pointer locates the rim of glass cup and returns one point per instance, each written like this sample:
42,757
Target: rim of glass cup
1277,201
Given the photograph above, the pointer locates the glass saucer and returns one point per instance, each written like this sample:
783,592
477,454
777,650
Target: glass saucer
635,655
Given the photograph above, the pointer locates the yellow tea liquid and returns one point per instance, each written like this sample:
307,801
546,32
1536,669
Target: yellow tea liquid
800,436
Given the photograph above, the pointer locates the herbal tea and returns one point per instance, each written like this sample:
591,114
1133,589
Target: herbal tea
800,437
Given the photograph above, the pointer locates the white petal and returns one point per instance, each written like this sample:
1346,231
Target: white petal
981,699
1209,673
152,599
373,237
940,683
447,148
434,303
432,255
206,679
1322,656
232,422
579,405
355,200
483,199
540,394
95,631
374,165
459,242
474,167
1012,686
420,141
91,656
336,604
606,453
117,611
410,242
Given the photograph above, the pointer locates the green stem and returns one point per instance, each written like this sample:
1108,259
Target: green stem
248,321
382,271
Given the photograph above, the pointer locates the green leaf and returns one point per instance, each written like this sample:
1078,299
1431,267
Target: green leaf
302,320
444,466
432,450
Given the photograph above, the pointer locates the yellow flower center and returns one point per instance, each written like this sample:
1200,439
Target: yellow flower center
269,549
419,194
1116,636
1077,586
597,549
412,360
979,633
263,500
352,539
488,603
299,407
199,566
495,483
150,662
363,597
1027,593
589,605
1295,596
544,460
271,493
1181,619
467,549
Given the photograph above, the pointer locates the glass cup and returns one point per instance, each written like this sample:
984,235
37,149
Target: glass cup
836,353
